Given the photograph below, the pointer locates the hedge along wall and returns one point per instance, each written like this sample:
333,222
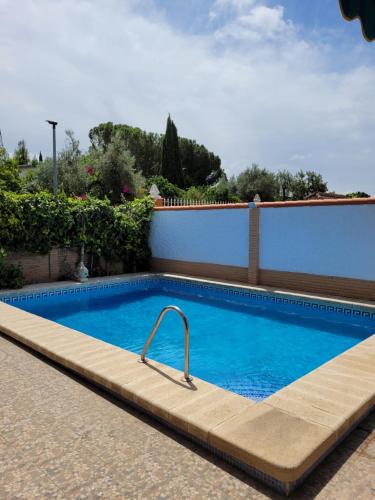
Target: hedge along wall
41,223
317,246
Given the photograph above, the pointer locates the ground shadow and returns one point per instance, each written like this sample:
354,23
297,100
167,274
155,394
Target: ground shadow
313,485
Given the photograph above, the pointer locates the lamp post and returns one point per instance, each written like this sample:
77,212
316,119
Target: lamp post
55,177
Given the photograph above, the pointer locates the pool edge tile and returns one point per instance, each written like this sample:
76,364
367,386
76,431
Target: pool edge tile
279,444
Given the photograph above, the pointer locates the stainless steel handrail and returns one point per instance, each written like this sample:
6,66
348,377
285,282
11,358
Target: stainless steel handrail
187,376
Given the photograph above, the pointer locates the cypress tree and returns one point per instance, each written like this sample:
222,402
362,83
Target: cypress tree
171,162
40,157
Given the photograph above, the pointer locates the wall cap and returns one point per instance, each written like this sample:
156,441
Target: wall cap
316,203
273,204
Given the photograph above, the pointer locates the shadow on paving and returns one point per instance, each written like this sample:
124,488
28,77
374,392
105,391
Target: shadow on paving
310,489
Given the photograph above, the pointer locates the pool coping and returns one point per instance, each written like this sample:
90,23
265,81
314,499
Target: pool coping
279,440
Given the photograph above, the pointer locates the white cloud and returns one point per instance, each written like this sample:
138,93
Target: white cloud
249,20
297,157
259,24
260,98
219,6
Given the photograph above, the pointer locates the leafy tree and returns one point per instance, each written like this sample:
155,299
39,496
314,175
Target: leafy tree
315,183
144,146
34,162
102,135
105,172
299,188
358,194
9,173
21,154
224,190
71,164
305,183
256,180
285,181
171,161
113,173
40,178
199,166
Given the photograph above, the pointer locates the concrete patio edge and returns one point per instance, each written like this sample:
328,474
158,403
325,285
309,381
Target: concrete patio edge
279,440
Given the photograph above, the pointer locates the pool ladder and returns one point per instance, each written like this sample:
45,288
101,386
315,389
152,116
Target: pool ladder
187,376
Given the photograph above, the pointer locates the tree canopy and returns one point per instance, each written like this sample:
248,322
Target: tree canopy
21,154
256,180
9,173
123,162
199,166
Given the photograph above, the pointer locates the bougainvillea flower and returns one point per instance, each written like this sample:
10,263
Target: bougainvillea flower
125,188
83,196
89,169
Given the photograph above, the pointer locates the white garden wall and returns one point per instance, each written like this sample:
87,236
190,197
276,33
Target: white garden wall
336,240
216,236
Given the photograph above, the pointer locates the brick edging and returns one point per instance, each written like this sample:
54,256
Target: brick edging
316,203
316,283
203,269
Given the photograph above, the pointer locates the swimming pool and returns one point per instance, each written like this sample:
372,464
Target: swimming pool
248,342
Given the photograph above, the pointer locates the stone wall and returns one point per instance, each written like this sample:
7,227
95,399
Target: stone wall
57,265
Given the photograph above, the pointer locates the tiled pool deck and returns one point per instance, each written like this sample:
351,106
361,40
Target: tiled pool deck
279,440
62,438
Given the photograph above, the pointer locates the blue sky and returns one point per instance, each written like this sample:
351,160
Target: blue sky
286,84
191,15
322,16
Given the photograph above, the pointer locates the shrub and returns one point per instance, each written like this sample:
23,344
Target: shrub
10,274
9,172
166,188
38,222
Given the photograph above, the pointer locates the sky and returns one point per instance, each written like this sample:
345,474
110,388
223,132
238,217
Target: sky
285,84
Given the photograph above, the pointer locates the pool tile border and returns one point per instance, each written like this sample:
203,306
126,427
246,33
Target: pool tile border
330,305
279,440
346,309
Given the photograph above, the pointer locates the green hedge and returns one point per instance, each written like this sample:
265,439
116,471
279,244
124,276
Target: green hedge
38,222
10,274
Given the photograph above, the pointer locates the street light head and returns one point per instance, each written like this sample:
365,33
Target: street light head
51,122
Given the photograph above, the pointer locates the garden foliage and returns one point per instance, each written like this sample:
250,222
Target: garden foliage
10,274
38,222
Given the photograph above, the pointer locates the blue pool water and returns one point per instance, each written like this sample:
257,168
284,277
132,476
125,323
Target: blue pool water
242,345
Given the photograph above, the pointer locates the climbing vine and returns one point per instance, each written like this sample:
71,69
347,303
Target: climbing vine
38,222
